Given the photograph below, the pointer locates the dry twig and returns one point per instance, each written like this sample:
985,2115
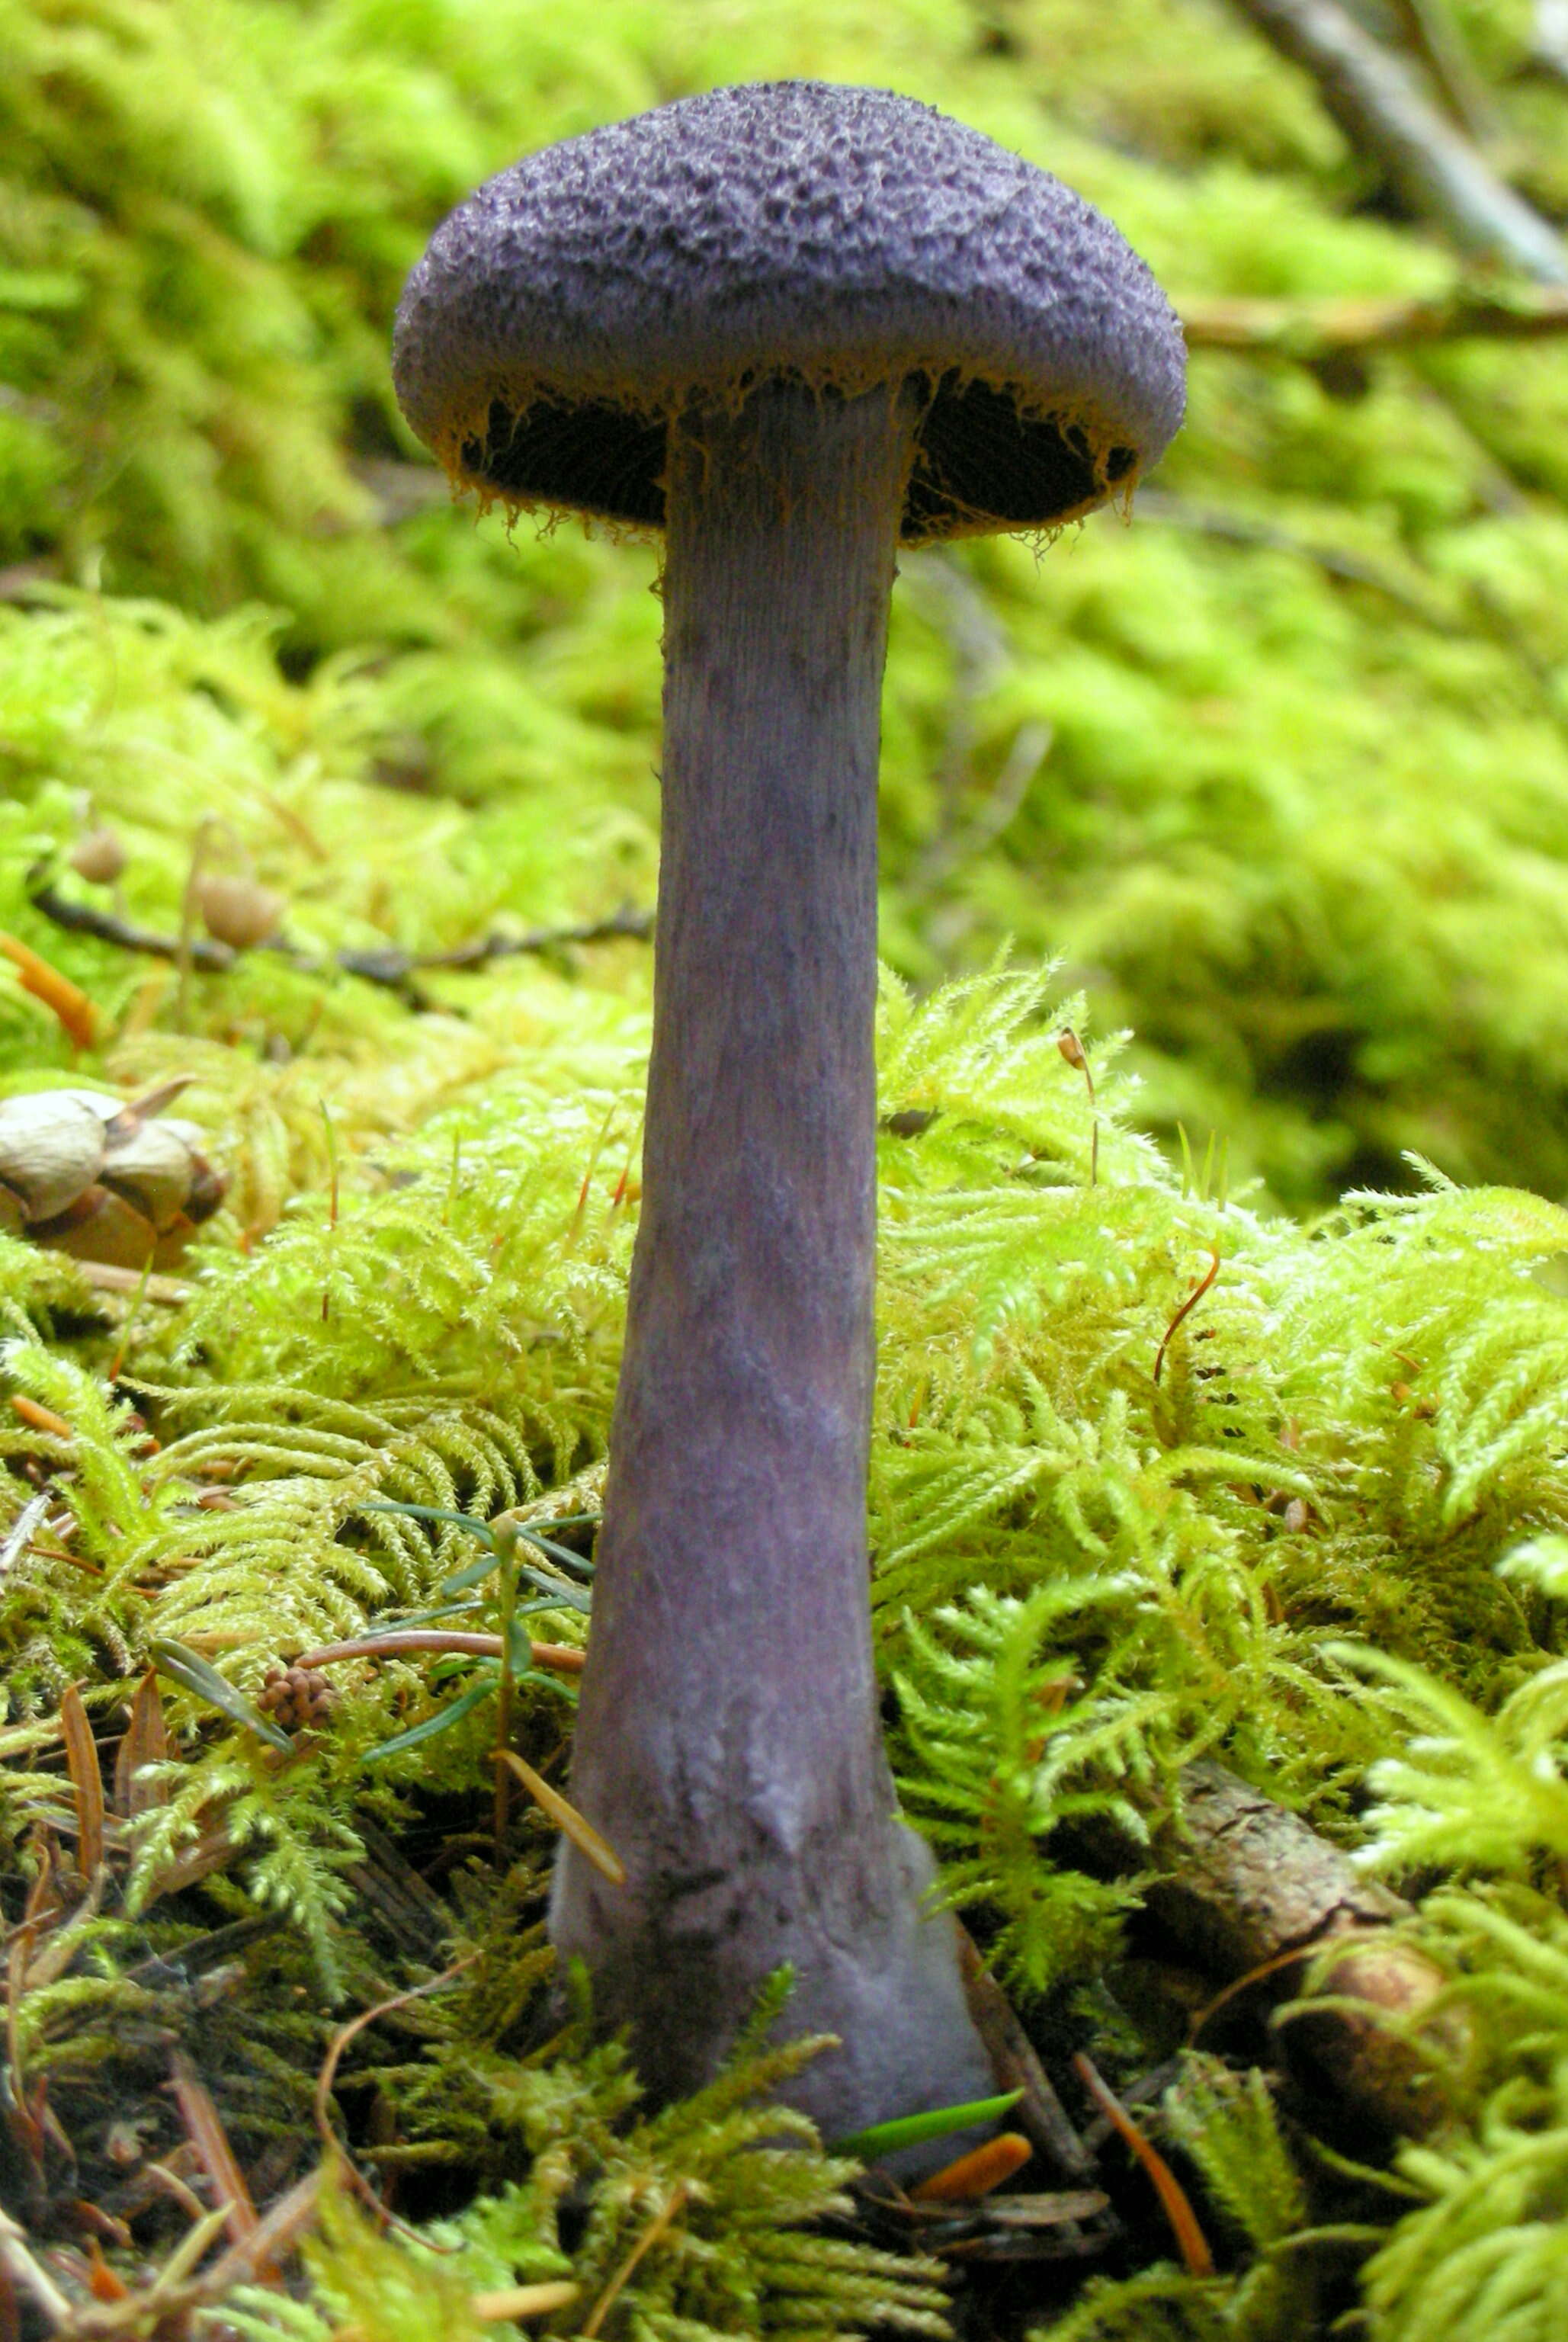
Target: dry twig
399,1642
1549,48
1017,2065
30,2274
1378,104
1430,34
1253,1893
1312,331
337,2153
385,964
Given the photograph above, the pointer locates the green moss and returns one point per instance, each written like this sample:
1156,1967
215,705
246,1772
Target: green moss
195,334
1278,774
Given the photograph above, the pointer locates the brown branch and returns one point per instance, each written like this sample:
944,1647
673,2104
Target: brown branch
1430,32
86,919
1549,45
1250,1895
1040,2113
1379,105
1312,331
384,964
389,965
1251,1891
399,1643
171,1292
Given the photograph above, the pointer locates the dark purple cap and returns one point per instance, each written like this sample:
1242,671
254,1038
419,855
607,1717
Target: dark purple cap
838,236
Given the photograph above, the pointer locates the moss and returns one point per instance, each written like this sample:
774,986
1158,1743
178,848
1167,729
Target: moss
1279,774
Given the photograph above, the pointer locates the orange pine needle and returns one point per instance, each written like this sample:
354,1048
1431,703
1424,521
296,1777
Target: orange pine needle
978,2172
145,1741
205,2130
42,1418
567,1819
86,1781
657,2228
523,2300
562,1657
77,1015
1196,2257
103,2283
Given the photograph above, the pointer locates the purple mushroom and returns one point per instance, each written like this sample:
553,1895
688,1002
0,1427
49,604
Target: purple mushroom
793,326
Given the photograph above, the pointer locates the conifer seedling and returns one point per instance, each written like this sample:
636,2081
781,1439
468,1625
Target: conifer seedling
793,326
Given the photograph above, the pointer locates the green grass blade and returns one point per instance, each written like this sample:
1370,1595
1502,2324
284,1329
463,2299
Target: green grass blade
914,2131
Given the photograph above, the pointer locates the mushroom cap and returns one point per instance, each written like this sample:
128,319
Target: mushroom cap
841,237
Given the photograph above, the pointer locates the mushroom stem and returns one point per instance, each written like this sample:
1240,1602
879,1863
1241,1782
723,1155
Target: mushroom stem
728,1744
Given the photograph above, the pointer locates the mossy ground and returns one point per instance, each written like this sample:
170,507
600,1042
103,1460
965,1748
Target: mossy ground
1277,777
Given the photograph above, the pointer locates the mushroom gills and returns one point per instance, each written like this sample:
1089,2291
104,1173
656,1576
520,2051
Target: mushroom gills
981,461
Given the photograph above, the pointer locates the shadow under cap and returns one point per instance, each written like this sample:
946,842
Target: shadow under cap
837,237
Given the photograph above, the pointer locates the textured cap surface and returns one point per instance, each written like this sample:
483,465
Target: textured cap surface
845,236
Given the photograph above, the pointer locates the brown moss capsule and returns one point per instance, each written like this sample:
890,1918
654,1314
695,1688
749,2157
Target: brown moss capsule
237,911
98,855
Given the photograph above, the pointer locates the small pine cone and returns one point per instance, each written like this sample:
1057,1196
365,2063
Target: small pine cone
99,1225
156,1167
86,1173
206,1190
300,1698
52,1146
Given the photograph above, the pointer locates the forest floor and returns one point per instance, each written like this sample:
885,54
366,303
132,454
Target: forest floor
1219,1503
